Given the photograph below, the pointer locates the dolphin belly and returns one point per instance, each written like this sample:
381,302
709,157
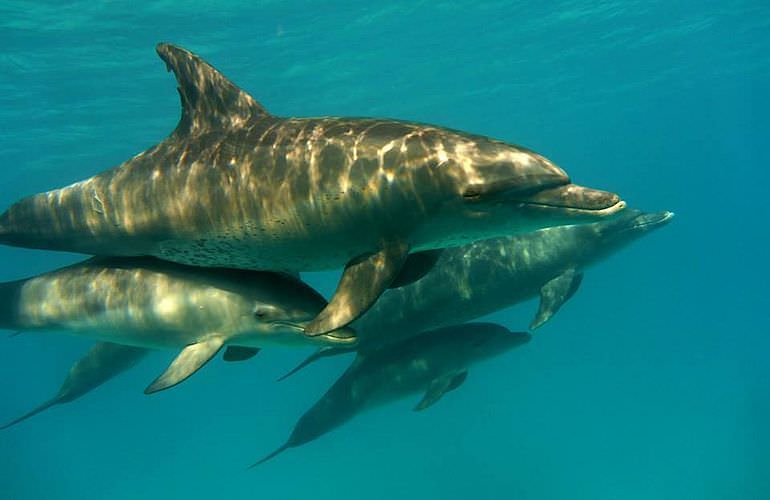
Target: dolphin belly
243,252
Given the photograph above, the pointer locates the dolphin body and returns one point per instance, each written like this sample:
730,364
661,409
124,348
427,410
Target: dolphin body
433,363
149,303
235,186
474,280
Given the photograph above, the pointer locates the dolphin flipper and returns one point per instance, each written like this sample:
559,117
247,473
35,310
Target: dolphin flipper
188,362
238,353
439,387
554,294
457,380
362,282
417,265
323,352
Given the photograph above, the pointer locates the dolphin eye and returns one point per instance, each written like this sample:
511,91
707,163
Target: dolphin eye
260,313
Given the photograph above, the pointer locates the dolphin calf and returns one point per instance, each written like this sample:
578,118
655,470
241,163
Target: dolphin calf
150,303
101,363
433,363
235,186
474,280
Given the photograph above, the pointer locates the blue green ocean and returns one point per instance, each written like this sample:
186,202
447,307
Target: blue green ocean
652,382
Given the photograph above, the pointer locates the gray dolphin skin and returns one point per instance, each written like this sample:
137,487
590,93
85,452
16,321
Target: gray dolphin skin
150,303
235,186
101,363
433,363
473,280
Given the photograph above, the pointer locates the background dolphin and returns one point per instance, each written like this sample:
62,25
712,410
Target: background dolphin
101,363
478,279
475,280
434,362
234,186
145,302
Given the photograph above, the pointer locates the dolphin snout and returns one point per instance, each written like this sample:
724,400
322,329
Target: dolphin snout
345,335
654,219
577,198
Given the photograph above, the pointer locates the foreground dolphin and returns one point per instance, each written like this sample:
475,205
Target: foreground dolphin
477,279
145,302
234,186
101,363
434,363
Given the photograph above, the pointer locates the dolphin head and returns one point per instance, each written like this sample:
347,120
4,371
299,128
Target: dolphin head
487,340
506,189
630,226
465,344
278,309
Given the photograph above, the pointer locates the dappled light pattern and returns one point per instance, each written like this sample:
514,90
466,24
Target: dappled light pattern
235,186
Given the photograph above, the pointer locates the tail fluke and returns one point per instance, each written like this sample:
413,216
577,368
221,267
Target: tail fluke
321,353
42,407
271,456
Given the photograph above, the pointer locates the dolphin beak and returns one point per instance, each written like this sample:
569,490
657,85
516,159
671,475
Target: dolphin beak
519,338
576,199
653,220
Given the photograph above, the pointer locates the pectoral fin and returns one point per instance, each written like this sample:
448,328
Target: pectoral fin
416,266
554,294
362,282
439,387
238,353
457,380
189,360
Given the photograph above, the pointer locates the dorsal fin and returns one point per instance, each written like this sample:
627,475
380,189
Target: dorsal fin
209,100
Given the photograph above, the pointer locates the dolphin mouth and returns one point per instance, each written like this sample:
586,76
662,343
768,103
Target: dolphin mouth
653,220
343,336
574,199
288,325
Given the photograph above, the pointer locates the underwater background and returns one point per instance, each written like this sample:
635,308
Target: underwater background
652,382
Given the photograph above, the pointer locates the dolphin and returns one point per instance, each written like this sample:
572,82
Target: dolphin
434,363
236,186
150,303
483,277
478,279
101,363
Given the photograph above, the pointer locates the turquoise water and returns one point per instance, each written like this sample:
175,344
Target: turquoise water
652,382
